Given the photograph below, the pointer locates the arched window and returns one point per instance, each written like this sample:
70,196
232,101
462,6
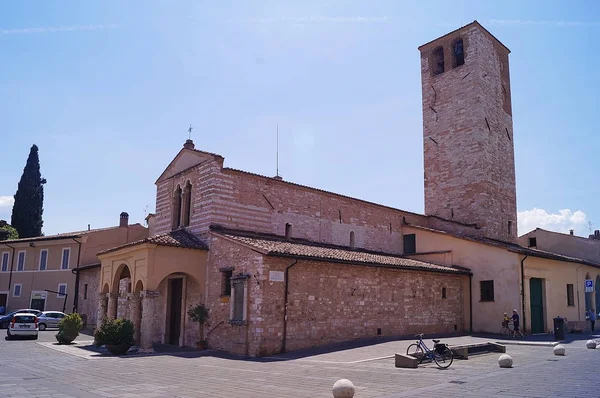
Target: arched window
288,230
352,242
176,212
458,53
437,60
187,204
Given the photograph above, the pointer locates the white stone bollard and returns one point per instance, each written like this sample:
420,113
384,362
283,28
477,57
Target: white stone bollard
559,350
591,344
343,388
505,361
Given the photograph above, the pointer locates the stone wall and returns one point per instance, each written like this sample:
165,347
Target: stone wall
241,200
468,134
328,302
88,305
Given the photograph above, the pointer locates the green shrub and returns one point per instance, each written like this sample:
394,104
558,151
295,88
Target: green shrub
199,313
68,328
115,332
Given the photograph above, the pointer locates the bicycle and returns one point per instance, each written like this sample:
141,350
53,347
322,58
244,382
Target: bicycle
441,353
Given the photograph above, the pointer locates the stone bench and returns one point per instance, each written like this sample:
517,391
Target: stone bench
406,361
462,351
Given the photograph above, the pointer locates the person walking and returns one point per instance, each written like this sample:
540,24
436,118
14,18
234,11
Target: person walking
593,319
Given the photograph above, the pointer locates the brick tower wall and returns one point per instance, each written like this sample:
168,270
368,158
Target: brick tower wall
468,134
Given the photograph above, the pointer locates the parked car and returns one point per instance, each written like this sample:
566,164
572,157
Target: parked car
23,324
50,319
6,319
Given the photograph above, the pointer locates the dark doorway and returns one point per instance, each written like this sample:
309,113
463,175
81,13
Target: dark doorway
174,319
537,305
3,298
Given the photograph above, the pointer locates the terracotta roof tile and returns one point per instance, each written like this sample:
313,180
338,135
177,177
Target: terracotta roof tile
179,238
279,248
64,235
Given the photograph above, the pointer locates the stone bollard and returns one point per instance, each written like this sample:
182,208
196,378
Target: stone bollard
505,361
559,350
591,344
343,388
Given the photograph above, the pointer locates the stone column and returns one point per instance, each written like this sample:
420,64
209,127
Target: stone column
102,306
113,300
136,314
149,326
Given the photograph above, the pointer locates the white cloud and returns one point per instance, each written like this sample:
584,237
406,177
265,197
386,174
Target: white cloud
73,28
562,221
6,201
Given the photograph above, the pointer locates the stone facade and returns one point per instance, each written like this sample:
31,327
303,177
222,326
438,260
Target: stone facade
327,302
89,288
468,133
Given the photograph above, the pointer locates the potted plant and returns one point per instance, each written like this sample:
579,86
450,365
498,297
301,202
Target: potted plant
199,313
68,328
116,334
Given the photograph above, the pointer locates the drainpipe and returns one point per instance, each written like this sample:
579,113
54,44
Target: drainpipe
523,291
285,306
470,303
76,272
12,261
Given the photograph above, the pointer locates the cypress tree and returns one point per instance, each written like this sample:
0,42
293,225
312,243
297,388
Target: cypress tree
29,199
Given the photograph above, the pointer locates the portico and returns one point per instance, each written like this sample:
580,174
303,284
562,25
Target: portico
152,282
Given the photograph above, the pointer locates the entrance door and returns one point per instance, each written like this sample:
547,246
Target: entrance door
3,299
537,305
38,301
175,294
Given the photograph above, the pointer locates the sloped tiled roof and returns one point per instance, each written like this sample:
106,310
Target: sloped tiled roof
64,235
179,238
277,247
513,247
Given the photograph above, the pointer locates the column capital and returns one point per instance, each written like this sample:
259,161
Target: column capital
149,294
112,295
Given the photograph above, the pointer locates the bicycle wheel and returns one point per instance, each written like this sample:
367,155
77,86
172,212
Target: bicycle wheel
415,350
445,359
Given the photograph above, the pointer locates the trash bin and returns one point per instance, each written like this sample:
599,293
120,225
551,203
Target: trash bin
559,328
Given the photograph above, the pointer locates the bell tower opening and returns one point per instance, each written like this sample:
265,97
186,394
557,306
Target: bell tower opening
468,130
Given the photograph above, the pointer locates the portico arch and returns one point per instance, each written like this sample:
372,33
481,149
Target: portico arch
123,272
177,292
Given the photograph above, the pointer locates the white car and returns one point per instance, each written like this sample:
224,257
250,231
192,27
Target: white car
23,324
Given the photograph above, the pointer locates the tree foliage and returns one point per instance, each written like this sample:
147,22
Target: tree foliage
7,231
29,199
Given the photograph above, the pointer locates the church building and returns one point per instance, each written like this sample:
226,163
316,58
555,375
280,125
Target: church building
283,266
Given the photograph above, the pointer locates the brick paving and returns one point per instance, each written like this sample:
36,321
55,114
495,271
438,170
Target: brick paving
41,369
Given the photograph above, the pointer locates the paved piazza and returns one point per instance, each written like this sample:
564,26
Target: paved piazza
43,369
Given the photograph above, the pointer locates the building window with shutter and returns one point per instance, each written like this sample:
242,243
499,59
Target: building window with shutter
487,290
570,295
239,294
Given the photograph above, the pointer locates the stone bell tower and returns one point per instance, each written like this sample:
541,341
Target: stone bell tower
468,131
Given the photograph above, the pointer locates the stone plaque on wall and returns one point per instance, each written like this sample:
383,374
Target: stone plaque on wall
276,276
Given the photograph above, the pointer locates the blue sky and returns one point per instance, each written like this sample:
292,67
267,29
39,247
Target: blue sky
108,89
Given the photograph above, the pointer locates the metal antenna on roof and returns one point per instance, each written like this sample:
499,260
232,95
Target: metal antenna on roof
277,174
145,215
190,132
590,226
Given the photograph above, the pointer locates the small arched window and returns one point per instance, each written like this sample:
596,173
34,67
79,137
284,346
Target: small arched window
187,204
437,61
352,241
288,230
443,292
458,53
176,212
